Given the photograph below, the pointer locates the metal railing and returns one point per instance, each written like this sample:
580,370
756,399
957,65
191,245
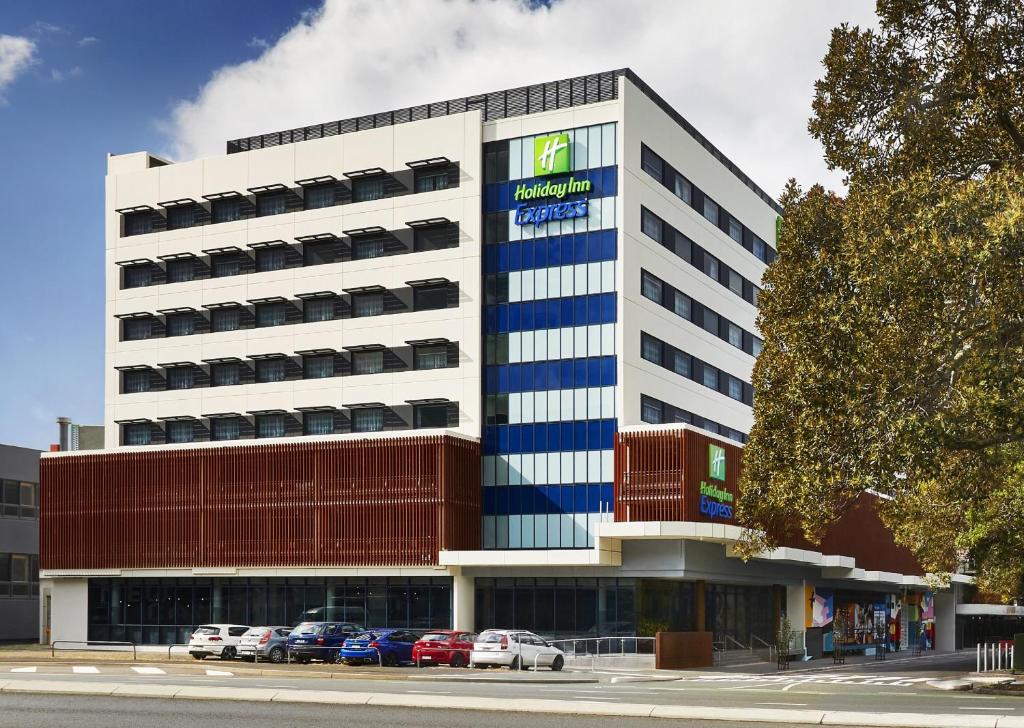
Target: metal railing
90,643
606,646
994,656
764,645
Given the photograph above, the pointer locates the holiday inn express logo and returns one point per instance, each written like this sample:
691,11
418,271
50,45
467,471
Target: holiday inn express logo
550,154
716,462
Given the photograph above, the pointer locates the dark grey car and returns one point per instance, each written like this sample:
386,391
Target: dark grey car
267,644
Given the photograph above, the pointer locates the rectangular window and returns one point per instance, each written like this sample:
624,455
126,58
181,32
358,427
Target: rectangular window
650,287
758,346
683,189
431,415
138,276
735,230
138,329
367,304
651,163
735,388
710,323
270,314
364,190
430,180
273,203
314,253
366,248
136,380
181,216
736,283
318,196
650,349
755,295
225,374
760,249
317,309
431,357
367,362
270,425
138,433
650,411
318,423
268,259
711,210
429,298
138,223
181,270
681,364
711,266
227,210
735,335
368,419
226,319
180,378
270,370
436,237
319,366
181,324
224,428
223,265
650,224
179,431
19,568
28,502
710,377
681,305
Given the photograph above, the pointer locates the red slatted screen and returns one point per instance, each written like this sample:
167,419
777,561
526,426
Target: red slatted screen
386,502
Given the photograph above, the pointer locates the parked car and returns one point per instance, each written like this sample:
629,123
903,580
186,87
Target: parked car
265,643
387,646
515,648
443,647
314,640
216,639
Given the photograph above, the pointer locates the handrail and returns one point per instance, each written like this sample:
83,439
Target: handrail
91,643
771,647
730,638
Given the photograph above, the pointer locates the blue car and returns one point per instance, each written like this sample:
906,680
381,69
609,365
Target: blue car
387,646
315,640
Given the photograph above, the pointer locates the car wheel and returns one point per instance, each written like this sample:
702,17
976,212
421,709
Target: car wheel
276,655
197,656
457,660
390,660
228,653
515,663
557,663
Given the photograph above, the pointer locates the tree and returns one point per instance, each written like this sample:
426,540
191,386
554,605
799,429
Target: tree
893,319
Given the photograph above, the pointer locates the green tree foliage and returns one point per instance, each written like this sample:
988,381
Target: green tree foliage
894,317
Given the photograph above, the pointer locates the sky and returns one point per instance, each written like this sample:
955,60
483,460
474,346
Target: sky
180,77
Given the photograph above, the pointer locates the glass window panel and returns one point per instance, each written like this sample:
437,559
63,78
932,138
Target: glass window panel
181,216
367,362
711,266
735,283
651,163
225,264
650,287
710,377
735,388
137,434
367,304
180,377
428,298
224,428
682,189
681,364
758,346
317,309
735,335
651,225
318,423
181,324
365,248
431,357
137,329
225,374
370,419
268,259
710,321
270,425
650,411
681,304
431,180
760,250
650,349
180,431
364,190
270,314
431,415
136,381
711,210
319,366
274,203
181,270
137,276
227,210
138,223
226,319
270,370
318,196
735,230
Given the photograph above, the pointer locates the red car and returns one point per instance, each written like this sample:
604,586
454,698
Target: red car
443,647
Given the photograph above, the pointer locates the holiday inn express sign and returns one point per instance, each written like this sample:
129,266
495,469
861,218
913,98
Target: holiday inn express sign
550,157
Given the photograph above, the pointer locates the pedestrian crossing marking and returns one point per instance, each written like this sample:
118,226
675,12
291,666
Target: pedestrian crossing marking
219,673
24,669
84,669
149,670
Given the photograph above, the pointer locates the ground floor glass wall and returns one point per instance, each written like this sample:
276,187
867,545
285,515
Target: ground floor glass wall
740,611
165,611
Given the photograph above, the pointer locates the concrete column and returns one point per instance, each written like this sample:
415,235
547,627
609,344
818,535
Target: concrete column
796,606
463,602
69,609
700,606
945,619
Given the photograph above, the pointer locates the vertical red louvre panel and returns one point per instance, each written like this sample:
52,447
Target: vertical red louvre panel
374,502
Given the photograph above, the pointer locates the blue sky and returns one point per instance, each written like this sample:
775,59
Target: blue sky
56,127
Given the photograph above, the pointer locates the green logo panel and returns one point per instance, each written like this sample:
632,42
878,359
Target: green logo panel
716,462
550,154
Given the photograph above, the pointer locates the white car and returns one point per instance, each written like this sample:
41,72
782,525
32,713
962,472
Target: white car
221,640
514,648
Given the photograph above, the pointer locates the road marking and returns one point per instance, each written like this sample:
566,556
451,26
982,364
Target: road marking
219,673
149,670
796,704
430,692
86,669
24,669
981,708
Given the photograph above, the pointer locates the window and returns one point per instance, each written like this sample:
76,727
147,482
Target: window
735,230
429,298
271,259
711,266
136,380
681,364
138,328
710,322
137,433
365,248
368,419
735,388
650,287
224,428
736,283
651,163
650,411
181,216
431,357
711,210
431,415
180,378
319,366
318,423
317,309
710,378
367,362
318,196
225,264
650,349
227,210
181,270
181,324
757,347
179,431
681,305
273,203
368,304
28,500
138,223
270,314
137,276
270,425
318,253
270,370
735,335
364,190
225,374
760,249
436,237
430,180
496,288
226,319
683,189
650,224
10,505
19,568
755,295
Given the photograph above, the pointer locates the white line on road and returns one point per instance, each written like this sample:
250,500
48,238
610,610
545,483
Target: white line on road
430,692
981,708
24,669
219,673
149,670
86,669
796,704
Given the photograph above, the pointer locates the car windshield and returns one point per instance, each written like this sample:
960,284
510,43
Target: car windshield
435,637
307,628
254,632
366,636
206,629
491,637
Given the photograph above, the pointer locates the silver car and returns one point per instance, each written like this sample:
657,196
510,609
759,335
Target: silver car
269,644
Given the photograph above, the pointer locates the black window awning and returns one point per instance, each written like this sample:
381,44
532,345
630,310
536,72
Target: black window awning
177,203
427,282
359,232
230,194
368,172
429,162
428,223
136,208
322,180
263,189
436,341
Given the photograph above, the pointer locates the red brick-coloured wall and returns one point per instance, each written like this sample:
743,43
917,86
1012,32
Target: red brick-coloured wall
373,502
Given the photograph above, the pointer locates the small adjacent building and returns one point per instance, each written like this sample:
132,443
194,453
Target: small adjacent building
19,544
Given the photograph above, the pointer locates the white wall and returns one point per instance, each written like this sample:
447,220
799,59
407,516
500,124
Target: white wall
69,618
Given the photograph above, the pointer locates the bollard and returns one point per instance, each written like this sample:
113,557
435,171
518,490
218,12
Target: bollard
977,654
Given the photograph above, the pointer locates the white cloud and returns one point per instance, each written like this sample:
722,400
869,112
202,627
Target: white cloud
16,54
741,72
258,43
58,75
88,41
